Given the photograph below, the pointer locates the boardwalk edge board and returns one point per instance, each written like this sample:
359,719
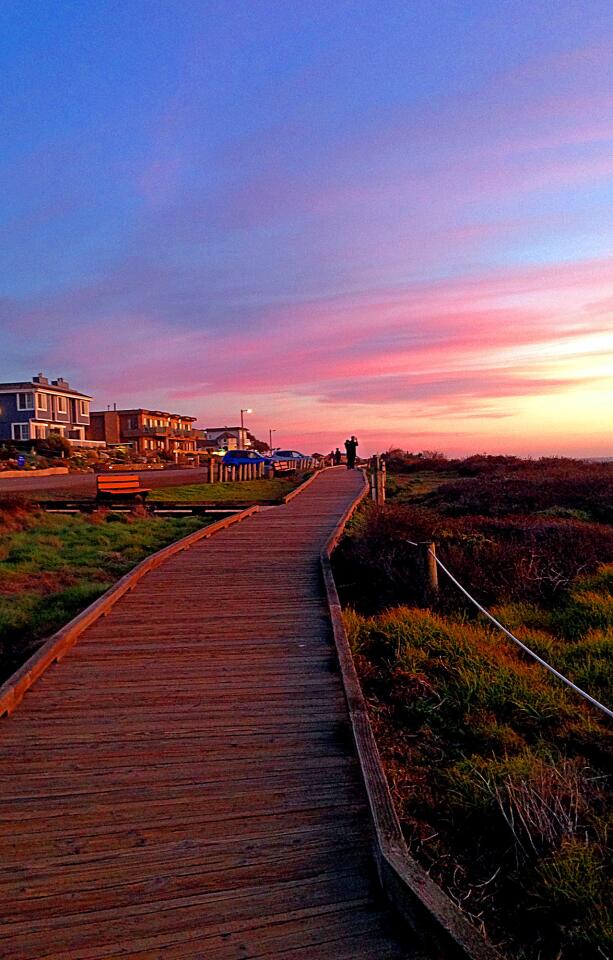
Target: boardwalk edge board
421,904
53,649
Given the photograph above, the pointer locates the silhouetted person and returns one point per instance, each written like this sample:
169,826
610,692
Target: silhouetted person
351,447
337,457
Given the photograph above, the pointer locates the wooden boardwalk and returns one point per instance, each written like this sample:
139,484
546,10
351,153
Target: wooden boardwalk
183,784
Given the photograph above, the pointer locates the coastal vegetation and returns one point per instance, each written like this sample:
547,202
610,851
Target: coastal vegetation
499,771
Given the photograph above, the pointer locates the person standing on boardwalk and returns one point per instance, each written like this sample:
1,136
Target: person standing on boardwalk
351,447
337,457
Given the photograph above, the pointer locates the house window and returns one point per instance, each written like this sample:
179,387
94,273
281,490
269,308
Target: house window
25,401
40,431
83,408
62,406
41,401
21,431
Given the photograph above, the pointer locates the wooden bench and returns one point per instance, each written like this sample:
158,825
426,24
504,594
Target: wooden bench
120,486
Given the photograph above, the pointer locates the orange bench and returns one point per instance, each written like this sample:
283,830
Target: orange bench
120,486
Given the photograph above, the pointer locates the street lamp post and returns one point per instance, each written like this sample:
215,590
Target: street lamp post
270,433
243,438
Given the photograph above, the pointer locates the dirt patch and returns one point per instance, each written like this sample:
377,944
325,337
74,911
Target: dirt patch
42,583
15,513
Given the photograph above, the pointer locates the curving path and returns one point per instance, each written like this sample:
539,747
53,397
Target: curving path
183,784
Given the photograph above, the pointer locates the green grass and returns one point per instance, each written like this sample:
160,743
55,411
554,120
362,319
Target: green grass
247,491
499,772
53,566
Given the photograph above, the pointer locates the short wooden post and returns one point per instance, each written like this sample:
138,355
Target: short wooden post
428,570
381,477
373,478
212,463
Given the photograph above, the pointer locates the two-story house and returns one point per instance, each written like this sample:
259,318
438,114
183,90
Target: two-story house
226,438
147,431
31,409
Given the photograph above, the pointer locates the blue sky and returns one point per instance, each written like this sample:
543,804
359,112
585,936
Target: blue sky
320,210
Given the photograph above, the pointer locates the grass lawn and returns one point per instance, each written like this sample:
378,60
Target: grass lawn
52,566
247,491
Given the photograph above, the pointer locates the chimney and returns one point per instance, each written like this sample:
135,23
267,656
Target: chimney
114,406
60,382
41,379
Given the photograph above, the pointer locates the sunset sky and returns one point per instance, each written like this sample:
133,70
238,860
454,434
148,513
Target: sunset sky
387,218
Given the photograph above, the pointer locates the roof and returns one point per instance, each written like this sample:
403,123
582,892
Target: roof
223,429
153,413
40,387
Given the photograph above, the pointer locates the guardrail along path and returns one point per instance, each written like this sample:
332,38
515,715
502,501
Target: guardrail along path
183,784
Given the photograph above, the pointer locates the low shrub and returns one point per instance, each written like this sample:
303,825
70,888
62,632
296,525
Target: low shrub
498,770
500,560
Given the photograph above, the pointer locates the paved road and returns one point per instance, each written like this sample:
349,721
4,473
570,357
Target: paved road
183,786
84,484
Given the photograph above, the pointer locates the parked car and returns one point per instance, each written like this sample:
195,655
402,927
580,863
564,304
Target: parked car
234,458
288,455
284,461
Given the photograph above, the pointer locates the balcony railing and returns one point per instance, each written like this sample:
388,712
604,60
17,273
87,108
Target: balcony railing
164,431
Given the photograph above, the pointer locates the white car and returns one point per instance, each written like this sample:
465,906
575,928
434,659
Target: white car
290,460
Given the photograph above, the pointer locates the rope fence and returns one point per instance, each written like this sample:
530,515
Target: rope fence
526,649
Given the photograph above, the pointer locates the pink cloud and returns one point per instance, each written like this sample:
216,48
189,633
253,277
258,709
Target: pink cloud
439,349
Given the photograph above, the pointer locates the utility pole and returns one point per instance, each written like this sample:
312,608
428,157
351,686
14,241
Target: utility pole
243,437
270,433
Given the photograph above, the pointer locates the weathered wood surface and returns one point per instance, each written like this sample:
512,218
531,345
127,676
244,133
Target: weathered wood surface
183,784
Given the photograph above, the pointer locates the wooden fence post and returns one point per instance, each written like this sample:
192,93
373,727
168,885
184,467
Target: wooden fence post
373,479
377,479
428,570
381,477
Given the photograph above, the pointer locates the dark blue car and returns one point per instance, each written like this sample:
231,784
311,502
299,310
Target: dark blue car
234,458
